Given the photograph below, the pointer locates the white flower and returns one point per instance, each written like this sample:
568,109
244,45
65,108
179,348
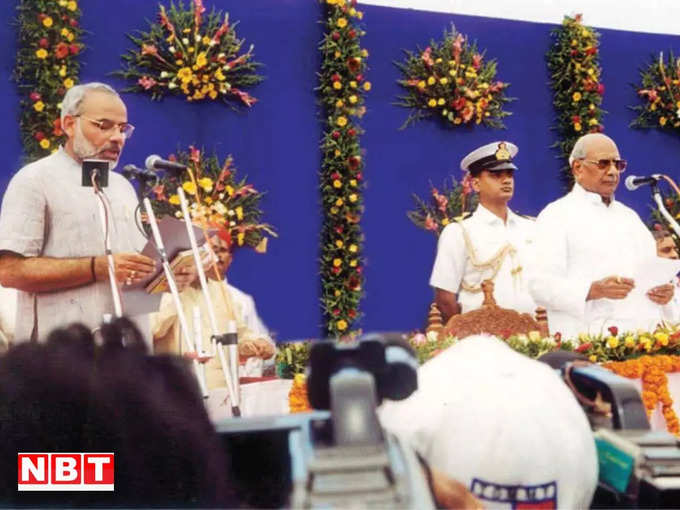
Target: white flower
232,223
171,49
185,41
523,338
172,85
178,214
678,113
432,336
212,43
164,74
231,212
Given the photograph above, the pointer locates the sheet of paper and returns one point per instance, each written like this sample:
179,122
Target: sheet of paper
654,272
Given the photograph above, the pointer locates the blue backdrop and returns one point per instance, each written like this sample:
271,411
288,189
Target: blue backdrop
276,143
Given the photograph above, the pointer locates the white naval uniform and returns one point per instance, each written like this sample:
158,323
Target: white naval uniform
488,234
580,240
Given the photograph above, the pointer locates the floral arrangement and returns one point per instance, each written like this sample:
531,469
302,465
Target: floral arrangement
452,203
342,86
451,80
217,199
46,67
291,358
193,55
660,95
652,370
574,67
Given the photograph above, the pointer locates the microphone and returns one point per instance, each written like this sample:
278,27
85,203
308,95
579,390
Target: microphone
155,162
634,182
131,171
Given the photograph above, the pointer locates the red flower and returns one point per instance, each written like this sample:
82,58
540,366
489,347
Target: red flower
146,82
39,135
476,60
335,270
338,229
335,77
558,336
359,77
591,51
335,135
74,49
335,175
359,270
352,313
576,119
351,132
195,154
613,330
352,34
61,51
41,17
600,89
353,64
354,162
458,104
34,96
584,347
336,312
73,22
505,334
335,36
43,43
359,176
574,53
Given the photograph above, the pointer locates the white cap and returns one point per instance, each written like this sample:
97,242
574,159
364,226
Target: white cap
493,157
505,426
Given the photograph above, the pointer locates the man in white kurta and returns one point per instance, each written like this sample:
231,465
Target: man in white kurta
588,246
492,244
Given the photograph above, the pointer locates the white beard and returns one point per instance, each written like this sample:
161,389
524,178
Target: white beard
84,149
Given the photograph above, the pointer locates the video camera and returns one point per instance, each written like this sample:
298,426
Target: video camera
337,455
639,468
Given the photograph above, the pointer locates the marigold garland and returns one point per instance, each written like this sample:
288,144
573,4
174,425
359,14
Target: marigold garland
297,397
342,88
660,95
575,71
453,202
193,55
217,199
46,67
451,80
652,370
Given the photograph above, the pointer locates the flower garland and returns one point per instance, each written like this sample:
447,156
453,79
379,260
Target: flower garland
652,370
451,80
216,199
451,204
342,88
660,94
46,67
188,54
575,71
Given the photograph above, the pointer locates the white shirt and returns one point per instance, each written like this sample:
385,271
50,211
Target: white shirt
488,234
580,240
245,304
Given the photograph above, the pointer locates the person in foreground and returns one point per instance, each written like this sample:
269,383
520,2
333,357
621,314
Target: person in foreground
588,248
494,243
51,240
504,425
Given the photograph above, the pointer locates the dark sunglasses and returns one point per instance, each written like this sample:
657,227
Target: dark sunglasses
604,164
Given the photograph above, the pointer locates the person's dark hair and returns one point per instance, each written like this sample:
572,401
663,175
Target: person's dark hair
660,234
69,395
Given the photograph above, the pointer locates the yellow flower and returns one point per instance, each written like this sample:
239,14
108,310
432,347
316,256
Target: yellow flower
68,83
445,221
629,342
364,53
421,84
353,197
206,183
339,103
339,202
208,200
431,80
443,81
337,262
206,40
213,94
576,96
341,121
337,293
337,153
662,121
353,84
185,75
339,244
240,238
353,263
592,122
220,75
353,99
367,86
331,2
613,342
47,21
353,248
353,182
72,5
41,53
342,22
174,199
70,37
337,54
452,72
39,106
341,325
534,336
337,85
239,213
189,187
432,103
577,126
337,183
64,32
62,71
334,210
662,338
574,42
45,143
592,358
441,101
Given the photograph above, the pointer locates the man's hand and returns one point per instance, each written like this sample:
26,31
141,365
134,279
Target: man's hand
662,294
612,287
257,347
130,267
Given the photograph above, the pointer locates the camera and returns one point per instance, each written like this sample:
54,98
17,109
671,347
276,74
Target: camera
639,468
337,455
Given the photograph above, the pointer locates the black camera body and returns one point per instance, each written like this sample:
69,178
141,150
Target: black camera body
339,455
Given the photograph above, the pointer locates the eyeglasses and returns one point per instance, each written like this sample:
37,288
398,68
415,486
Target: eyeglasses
604,164
108,126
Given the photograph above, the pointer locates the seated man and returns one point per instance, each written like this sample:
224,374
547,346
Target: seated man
666,248
491,244
510,430
254,340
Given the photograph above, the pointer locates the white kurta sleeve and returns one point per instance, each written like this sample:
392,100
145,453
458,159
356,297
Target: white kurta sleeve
449,264
550,283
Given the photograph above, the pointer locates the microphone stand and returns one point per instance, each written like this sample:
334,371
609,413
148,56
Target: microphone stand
200,373
229,338
656,195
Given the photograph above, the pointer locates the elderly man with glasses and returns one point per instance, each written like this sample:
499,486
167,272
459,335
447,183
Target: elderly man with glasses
51,243
588,247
